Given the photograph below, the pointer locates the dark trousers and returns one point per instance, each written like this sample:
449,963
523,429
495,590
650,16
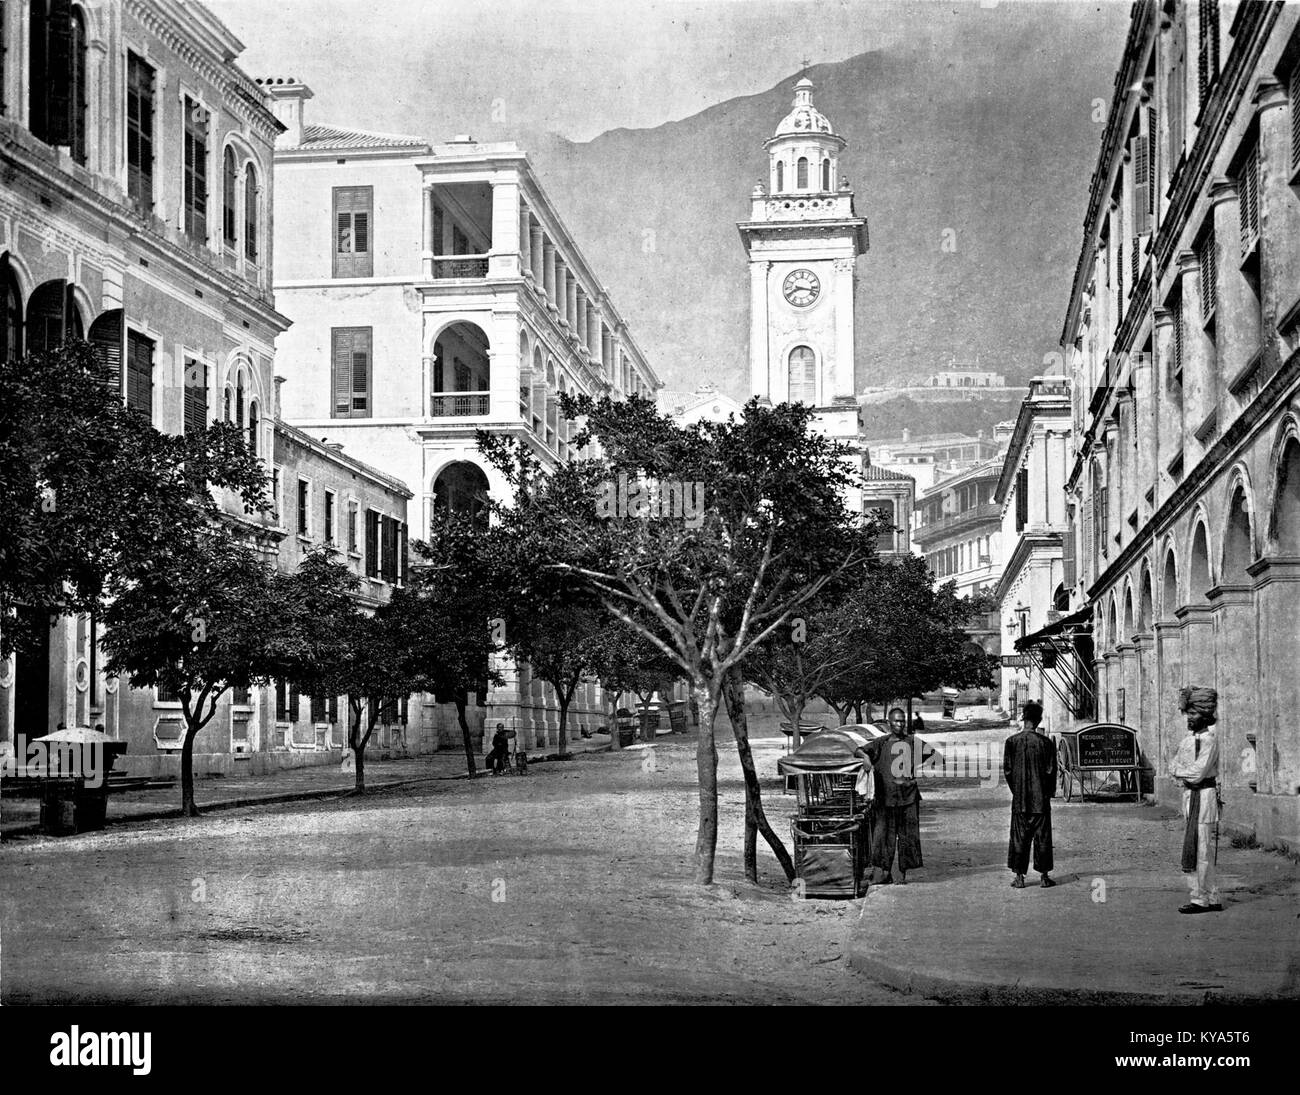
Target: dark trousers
896,828
1027,830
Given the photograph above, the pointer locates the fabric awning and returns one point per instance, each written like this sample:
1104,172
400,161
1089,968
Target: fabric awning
1066,626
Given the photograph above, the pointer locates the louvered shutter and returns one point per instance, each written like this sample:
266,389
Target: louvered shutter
196,397
1119,279
59,85
106,338
1089,544
403,549
1208,55
294,695
1179,326
318,709
281,701
139,374
1141,187
1068,557
333,709
1209,277
1295,117
1022,498
1248,201
341,372
372,544
361,373
352,225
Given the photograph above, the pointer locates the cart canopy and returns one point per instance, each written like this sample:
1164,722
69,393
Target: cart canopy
828,751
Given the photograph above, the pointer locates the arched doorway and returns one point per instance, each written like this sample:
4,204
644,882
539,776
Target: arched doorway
52,317
461,488
462,376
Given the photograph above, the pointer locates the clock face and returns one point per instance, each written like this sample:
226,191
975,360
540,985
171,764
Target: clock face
801,287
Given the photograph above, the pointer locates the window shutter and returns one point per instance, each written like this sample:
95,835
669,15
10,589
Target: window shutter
59,85
281,701
318,709
1179,323
361,232
1087,539
1022,498
196,397
1248,201
1141,188
352,212
333,709
1152,136
341,380
1208,55
1119,279
106,338
250,214
360,375
372,544
293,703
1295,117
139,374
1209,279
403,549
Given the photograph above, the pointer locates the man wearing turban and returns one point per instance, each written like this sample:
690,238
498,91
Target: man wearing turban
1196,766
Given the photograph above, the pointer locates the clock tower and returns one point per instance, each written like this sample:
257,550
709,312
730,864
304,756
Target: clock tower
803,239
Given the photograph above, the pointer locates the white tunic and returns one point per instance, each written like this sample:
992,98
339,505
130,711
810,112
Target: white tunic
1193,766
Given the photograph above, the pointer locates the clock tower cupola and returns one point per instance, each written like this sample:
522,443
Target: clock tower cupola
803,238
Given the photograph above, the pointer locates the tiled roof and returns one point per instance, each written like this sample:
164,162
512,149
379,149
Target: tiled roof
328,136
873,472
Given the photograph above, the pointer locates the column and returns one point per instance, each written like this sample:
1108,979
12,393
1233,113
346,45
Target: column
606,352
537,251
1168,411
1237,314
1127,681
1111,676
760,373
1279,215
427,249
1145,410
562,291
1144,718
1169,720
1198,645
1236,671
593,331
572,310
525,242
505,702
549,272
503,259
1198,350
1277,748
580,306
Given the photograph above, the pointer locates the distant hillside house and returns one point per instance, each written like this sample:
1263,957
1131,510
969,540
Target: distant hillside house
931,458
956,379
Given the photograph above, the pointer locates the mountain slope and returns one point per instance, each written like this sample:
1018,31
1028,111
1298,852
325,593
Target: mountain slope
991,147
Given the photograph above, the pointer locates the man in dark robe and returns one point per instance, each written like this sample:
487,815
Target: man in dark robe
896,821
1029,767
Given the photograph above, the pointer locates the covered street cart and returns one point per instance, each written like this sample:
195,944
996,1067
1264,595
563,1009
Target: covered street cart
1090,754
831,829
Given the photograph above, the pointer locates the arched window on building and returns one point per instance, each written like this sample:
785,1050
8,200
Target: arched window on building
801,173
254,420
780,175
57,75
229,176
250,213
803,375
239,400
826,173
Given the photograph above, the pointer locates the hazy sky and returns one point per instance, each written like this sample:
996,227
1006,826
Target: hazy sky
502,68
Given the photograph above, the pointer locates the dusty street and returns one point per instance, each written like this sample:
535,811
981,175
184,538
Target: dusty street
568,885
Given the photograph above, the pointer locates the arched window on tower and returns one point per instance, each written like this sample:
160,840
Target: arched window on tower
253,422
250,214
803,375
801,173
780,175
826,173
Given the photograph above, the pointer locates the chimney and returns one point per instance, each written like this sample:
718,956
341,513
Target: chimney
287,95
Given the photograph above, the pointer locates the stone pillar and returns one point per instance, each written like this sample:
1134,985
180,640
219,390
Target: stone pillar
1168,412
1127,681
1277,747
1198,645
1143,717
572,310
503,259
1279,215
760,372
550,272
1168,680
1112,676
537,251
1236,678
1197,351
1237,313
1145,408
580,306
427,246
525,242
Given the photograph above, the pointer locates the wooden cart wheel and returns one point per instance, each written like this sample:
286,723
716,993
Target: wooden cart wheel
1067,778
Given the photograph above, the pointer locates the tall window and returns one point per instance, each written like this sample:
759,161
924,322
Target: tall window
196,396
780,175
304,508
1207,257
1022,498
329,517
372,544
801,173
803,376
139,373
196,171
352,526
57,84
13,313
1248,202
351,372
229,181
250,213
1207,69
139,132
826,173
253,423
353,207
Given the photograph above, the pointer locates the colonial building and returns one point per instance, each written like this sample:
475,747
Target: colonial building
705,404
1032,591
325,498
931,458
1182,333
136,212
435,291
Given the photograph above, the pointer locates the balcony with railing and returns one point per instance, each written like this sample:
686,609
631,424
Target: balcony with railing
459,267
459,404
945,526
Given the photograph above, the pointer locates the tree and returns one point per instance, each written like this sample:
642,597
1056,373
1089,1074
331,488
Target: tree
203,621
624,661
449,608
91,495
366,656
757,528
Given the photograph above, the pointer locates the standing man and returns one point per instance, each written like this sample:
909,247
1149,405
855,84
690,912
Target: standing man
896,824
1029,767
1196,766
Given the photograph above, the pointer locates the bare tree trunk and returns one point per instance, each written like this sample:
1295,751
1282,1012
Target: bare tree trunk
564,718
857,712
462,701
706,766
733,691
188,808
614,743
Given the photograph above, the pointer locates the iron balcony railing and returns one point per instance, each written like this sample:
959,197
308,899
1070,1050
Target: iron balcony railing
459,404
460,266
